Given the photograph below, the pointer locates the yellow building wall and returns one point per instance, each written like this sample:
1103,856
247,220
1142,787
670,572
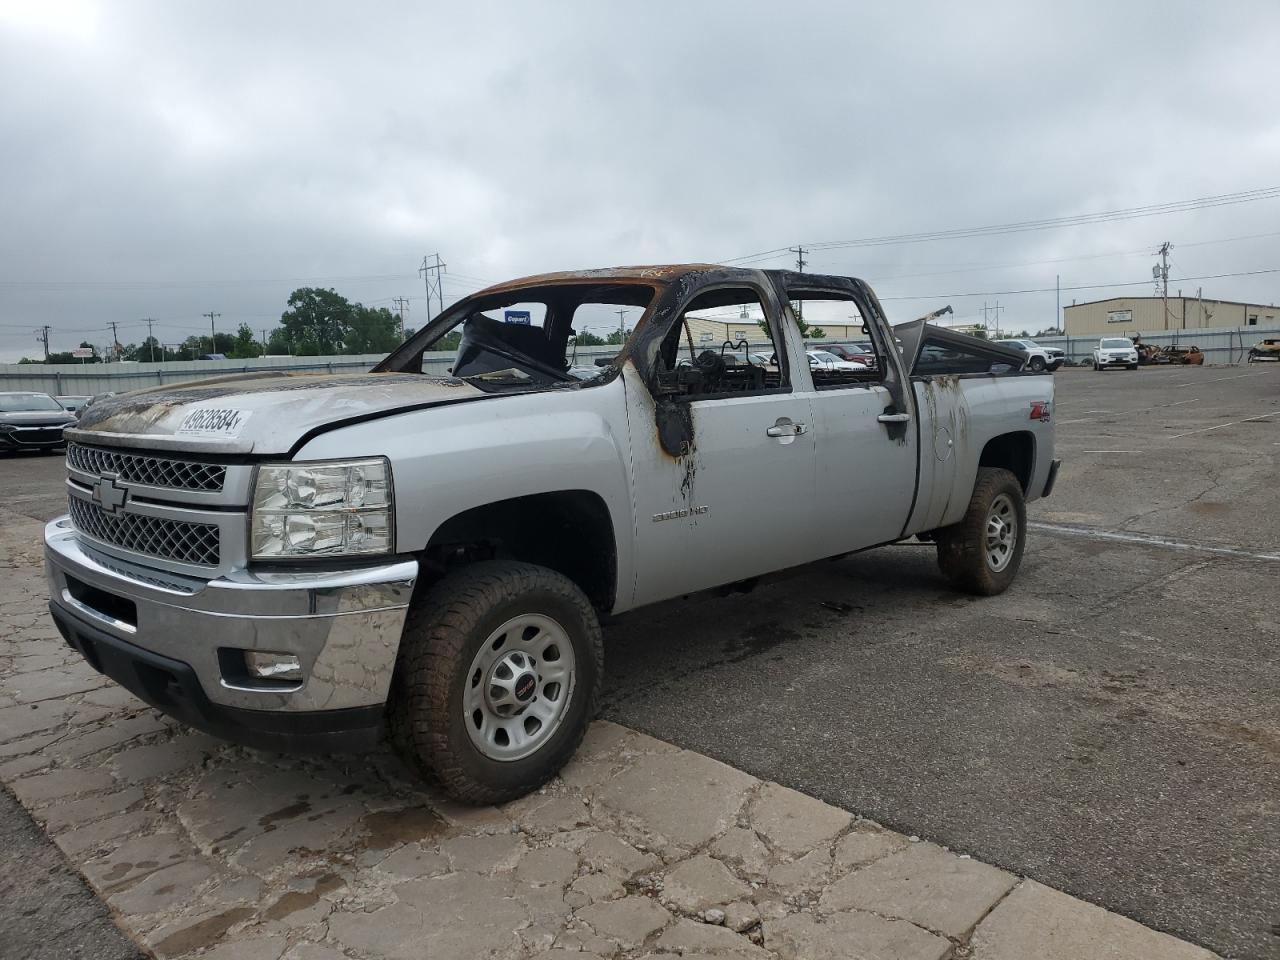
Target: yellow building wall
1146,316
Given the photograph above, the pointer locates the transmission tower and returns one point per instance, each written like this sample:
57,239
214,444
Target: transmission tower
433,277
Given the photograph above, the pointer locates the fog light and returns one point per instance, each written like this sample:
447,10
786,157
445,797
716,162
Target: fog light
265,665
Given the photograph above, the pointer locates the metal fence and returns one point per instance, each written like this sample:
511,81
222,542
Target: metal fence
1221,346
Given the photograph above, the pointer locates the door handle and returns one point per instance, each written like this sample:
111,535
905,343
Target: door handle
786,428
894,418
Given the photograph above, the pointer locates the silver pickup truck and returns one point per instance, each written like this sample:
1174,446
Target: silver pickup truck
302,561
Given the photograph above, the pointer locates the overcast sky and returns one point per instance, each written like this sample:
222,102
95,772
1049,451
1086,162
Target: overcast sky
168,159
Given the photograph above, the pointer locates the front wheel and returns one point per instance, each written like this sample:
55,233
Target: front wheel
499,673
982,552
1133,366
1037,364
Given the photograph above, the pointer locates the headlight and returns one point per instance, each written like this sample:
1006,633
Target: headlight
322,509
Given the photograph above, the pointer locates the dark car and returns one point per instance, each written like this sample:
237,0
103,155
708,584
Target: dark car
854,352
32,421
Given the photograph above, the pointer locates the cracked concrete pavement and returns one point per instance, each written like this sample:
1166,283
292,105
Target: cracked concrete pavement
639,849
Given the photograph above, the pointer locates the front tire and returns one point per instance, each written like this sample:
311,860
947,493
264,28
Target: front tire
1133,366
499,674
1037,364
981,554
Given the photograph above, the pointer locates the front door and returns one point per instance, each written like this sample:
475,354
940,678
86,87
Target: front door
737,499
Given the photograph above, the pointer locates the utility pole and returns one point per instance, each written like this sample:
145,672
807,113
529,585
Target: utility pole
213,333
432,276
800,265
264,342
1057,317
402,307
115,340
42,335
622,313
1163,271
151,343
996,310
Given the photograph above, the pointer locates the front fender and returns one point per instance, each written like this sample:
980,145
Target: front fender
447,460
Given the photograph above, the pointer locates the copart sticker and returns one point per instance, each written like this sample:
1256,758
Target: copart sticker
213,422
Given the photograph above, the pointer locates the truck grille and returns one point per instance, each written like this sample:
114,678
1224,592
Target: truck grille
177,540
152,471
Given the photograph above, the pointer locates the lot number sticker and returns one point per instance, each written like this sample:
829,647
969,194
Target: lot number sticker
218,422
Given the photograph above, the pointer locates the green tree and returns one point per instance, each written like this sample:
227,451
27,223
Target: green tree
316,321
979,331
371,330
245,346
617,337
588,339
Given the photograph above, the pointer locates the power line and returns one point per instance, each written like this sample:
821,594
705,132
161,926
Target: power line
1084,286
1021,226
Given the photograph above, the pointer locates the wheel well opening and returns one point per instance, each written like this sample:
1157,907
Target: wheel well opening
1015,452
568,531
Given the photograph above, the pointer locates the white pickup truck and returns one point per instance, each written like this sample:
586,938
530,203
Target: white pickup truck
302,561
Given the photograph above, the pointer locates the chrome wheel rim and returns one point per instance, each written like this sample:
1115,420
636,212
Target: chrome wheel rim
519,687
1002,532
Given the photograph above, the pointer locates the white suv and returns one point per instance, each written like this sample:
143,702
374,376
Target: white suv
1115,352
1038,357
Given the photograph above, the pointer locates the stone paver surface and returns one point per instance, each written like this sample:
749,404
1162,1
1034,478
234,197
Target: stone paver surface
638,849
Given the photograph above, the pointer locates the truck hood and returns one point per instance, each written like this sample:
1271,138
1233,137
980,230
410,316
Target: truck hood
262,414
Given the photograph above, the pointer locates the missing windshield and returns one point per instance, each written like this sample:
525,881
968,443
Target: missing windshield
529,337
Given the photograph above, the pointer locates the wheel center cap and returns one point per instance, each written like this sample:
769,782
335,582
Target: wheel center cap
525,685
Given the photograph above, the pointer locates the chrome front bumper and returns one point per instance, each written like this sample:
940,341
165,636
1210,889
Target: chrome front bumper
343,626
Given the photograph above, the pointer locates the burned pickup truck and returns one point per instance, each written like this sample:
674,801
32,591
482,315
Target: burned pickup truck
307,561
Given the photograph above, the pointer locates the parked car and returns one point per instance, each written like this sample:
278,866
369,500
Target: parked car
1115,352
824,358
1265,350
854,352
73,404
295,562
32,421
1038,357
1184,354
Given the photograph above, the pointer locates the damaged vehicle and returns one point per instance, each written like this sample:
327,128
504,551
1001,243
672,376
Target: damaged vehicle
1265,350
304,561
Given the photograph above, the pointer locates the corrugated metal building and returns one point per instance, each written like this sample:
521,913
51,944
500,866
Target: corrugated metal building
1128,315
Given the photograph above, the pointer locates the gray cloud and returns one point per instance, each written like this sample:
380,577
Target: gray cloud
168,159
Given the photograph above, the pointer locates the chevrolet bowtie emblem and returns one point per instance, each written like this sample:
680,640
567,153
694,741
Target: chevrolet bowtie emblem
109,495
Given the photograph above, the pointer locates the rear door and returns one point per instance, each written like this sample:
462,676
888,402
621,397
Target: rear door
864,425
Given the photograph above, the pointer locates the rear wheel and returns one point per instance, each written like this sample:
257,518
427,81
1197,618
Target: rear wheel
981,554
498,677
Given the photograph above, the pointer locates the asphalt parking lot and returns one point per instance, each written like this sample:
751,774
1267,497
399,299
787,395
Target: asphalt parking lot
1110,726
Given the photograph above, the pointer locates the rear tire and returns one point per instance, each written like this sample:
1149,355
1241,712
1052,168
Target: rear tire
981,554
473,702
